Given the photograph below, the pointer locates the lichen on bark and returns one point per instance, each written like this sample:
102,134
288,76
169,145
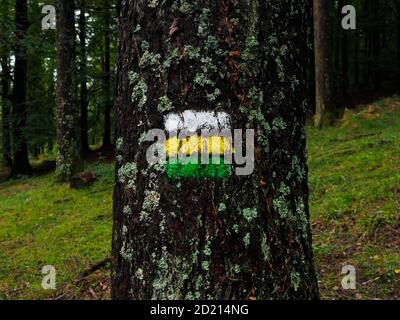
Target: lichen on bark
230,238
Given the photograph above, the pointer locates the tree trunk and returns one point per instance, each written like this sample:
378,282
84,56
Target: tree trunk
376,45
322,60
5,90
344,78
398,32
336,44
20,161
357,59
83,79
68,157
227,237
107,79
367,46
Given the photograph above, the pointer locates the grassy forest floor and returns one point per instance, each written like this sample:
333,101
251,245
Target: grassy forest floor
355,208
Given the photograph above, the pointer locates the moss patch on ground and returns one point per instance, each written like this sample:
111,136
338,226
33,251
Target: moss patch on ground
45,223
355,201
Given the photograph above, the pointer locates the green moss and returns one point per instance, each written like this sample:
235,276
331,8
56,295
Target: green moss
153,3
203,25
278,124
165,105
205,265
46,223
119,144
127,174
295,280
222,207
250,214
139,90
139,274
127,210
246,240
213,96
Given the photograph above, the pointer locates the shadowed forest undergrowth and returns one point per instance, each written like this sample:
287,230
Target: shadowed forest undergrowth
355,208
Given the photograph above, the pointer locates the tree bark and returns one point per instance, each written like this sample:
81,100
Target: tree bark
367,46
5,94
357,59
83,79
20,163
107,79
398,32
322,60
237,237
5,90
5,111
344,78
375,45
68,133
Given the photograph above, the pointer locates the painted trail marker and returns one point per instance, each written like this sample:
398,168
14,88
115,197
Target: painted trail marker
200,144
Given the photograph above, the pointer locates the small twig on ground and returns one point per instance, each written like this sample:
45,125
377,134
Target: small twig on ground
93,269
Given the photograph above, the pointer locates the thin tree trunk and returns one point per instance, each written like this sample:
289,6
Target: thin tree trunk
68,133
107,80
233,237
83,79
398,33
5,90
376,45
344,78
345,63
20,161
322,60
356,59
336,54
367,46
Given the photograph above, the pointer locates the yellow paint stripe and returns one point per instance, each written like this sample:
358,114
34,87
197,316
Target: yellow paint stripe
215,145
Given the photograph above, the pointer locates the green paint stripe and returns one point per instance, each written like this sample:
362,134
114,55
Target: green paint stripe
200,171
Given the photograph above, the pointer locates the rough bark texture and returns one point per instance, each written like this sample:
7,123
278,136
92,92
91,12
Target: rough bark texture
322,60
83,79
233,238
20,163
68,157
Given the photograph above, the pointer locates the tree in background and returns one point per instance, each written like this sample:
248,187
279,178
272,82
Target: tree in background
322,40
107,77
83,78
20,163
5,84
40,130
398,30
214,238
68,134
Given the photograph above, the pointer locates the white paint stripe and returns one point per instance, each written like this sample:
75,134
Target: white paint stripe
193,121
